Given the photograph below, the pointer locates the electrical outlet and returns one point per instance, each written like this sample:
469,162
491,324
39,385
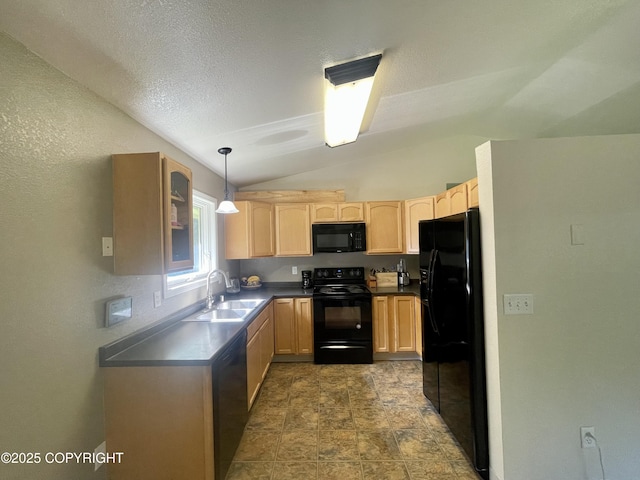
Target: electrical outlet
99,454
518,304
294,270
107,246
157,299
587,437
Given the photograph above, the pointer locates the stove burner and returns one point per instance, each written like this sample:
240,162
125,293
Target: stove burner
341,290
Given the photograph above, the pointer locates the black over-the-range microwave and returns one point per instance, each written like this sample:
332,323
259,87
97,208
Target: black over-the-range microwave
339,237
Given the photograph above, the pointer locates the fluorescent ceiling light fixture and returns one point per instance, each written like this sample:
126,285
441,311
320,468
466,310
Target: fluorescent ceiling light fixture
226,206
347,90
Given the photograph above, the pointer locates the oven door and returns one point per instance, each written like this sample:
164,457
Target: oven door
342,329
343,318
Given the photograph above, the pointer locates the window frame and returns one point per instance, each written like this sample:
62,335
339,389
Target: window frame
176,284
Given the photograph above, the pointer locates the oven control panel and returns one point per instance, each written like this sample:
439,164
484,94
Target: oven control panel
346,273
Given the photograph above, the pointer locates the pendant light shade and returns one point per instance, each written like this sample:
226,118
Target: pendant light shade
226,206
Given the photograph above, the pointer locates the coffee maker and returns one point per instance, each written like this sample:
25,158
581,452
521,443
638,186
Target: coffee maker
306,279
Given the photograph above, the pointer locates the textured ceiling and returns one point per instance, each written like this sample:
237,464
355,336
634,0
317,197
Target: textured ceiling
248,74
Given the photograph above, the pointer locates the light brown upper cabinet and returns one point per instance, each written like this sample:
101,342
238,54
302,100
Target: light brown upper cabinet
293,230
351,212
451,201
249,233
415,210
385,228
337,212
152,214
472,193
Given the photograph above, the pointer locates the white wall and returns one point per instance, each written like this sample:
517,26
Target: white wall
575,361
418,170
56,139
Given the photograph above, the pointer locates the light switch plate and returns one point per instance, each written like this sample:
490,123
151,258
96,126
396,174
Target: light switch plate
157,299
118,310
577,234
518,304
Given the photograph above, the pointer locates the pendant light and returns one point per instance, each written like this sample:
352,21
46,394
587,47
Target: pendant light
226,206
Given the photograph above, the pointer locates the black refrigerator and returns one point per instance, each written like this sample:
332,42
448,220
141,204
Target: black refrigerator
453,366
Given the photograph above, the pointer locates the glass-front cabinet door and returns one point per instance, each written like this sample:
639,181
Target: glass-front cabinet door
178,210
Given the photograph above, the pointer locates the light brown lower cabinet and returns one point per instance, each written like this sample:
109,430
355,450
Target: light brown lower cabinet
254,376
161,418
293,326
260,349
380,314
418,312
267,346
394,323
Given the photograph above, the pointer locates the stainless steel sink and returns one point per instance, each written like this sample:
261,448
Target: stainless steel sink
224,315
229,311
238,304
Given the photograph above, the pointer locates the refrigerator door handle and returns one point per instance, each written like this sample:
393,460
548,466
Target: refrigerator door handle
432,320
432,265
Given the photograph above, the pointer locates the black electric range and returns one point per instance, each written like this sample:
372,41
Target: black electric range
342,320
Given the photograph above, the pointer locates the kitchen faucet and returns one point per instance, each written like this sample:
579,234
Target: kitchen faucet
212,273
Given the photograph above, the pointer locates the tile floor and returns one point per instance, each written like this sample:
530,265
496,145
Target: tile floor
346,422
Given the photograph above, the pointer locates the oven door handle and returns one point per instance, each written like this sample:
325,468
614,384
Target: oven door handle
354,298
342,347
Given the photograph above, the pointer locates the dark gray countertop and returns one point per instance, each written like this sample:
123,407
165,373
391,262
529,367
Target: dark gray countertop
412,289
175,342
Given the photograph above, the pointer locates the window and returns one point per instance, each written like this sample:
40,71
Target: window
205,256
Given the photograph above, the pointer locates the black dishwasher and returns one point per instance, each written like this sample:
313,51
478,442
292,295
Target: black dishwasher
230,413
